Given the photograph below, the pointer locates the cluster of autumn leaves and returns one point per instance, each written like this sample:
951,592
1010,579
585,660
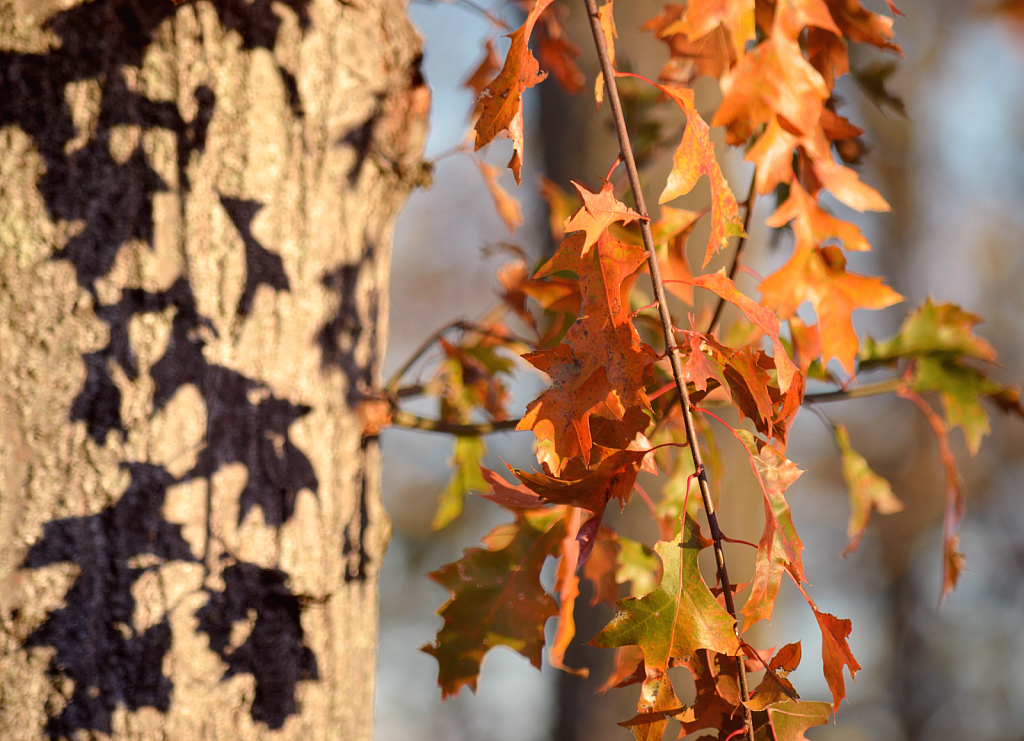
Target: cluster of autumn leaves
611,409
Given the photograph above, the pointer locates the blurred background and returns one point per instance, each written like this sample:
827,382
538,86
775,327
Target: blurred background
953,171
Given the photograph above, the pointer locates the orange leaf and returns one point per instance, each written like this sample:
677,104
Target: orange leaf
772,79
600,210
704,17
507,206
670,233
695,157
779,548
709,55
793,16
606,19
503,98
773,155
567,584
484,73
720,284
557,55
818,275
858,24
813,225
601,361
835,653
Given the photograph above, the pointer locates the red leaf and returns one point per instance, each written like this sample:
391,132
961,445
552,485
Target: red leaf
509,495
496,600
835,653
567,584
952,558
601,363
613,477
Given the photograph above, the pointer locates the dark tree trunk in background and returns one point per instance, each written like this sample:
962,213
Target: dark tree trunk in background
196,209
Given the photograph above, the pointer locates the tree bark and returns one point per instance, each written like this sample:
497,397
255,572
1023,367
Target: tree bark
196,209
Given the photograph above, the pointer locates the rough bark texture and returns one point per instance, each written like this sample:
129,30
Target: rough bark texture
196,207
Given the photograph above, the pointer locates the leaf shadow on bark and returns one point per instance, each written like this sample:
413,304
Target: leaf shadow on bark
111,657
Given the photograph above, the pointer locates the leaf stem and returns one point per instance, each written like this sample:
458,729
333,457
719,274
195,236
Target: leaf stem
751,198
626,150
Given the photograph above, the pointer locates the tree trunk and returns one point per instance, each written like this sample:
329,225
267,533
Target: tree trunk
196,208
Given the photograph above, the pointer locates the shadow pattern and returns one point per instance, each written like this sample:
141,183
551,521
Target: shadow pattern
111,663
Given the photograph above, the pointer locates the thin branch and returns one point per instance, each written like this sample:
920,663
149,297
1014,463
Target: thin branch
391,387
751,198
888,386
402,418
626,150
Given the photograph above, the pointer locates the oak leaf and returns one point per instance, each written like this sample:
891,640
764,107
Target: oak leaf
599,211
466,457
710,55
694,157
680,616
952,558
779,548
601,366
859,24
790,718
835,653
508,208
868,491
771,80
502,99
612,477
496,600
818,275
720,284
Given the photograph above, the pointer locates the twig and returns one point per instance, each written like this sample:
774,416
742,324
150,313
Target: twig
751,198
626,150
391,387
888,386
402,418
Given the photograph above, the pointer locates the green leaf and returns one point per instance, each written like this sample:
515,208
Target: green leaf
638,565
961,389
790,719
933,329
868,491
496,600
678,617
466,456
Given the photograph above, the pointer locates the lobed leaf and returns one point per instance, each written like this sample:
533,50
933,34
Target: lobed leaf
496,600
695,157
680,616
